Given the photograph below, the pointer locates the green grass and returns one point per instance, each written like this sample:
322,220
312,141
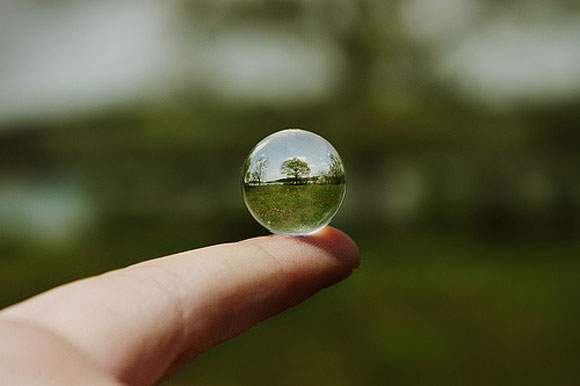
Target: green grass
293,208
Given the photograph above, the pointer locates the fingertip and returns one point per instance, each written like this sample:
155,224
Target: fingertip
326,257
336,243
309,262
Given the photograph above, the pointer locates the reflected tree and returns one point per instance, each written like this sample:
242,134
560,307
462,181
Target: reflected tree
335,170
259,173
335,173
295,168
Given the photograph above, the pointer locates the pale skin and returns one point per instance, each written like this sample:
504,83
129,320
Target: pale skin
140,324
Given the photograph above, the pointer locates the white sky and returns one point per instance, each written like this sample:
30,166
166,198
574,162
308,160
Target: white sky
67,56
70,56
528,52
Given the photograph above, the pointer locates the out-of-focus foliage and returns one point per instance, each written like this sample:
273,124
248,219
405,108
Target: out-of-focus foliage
124,125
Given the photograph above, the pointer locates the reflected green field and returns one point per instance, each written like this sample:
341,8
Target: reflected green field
294,208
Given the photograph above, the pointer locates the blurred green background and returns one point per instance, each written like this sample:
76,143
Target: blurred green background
124,125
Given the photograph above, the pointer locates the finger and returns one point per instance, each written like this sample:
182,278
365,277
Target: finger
146,320
33,356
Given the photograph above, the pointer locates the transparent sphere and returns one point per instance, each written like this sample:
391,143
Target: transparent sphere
293,182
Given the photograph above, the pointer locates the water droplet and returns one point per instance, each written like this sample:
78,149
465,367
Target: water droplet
293,182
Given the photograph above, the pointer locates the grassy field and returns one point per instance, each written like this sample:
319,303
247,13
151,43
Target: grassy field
293,208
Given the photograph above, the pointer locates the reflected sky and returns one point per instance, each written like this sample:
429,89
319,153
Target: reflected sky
293,143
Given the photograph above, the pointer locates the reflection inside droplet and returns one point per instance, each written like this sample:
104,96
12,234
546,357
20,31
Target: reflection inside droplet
293,182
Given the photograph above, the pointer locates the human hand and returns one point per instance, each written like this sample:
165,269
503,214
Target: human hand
139,324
